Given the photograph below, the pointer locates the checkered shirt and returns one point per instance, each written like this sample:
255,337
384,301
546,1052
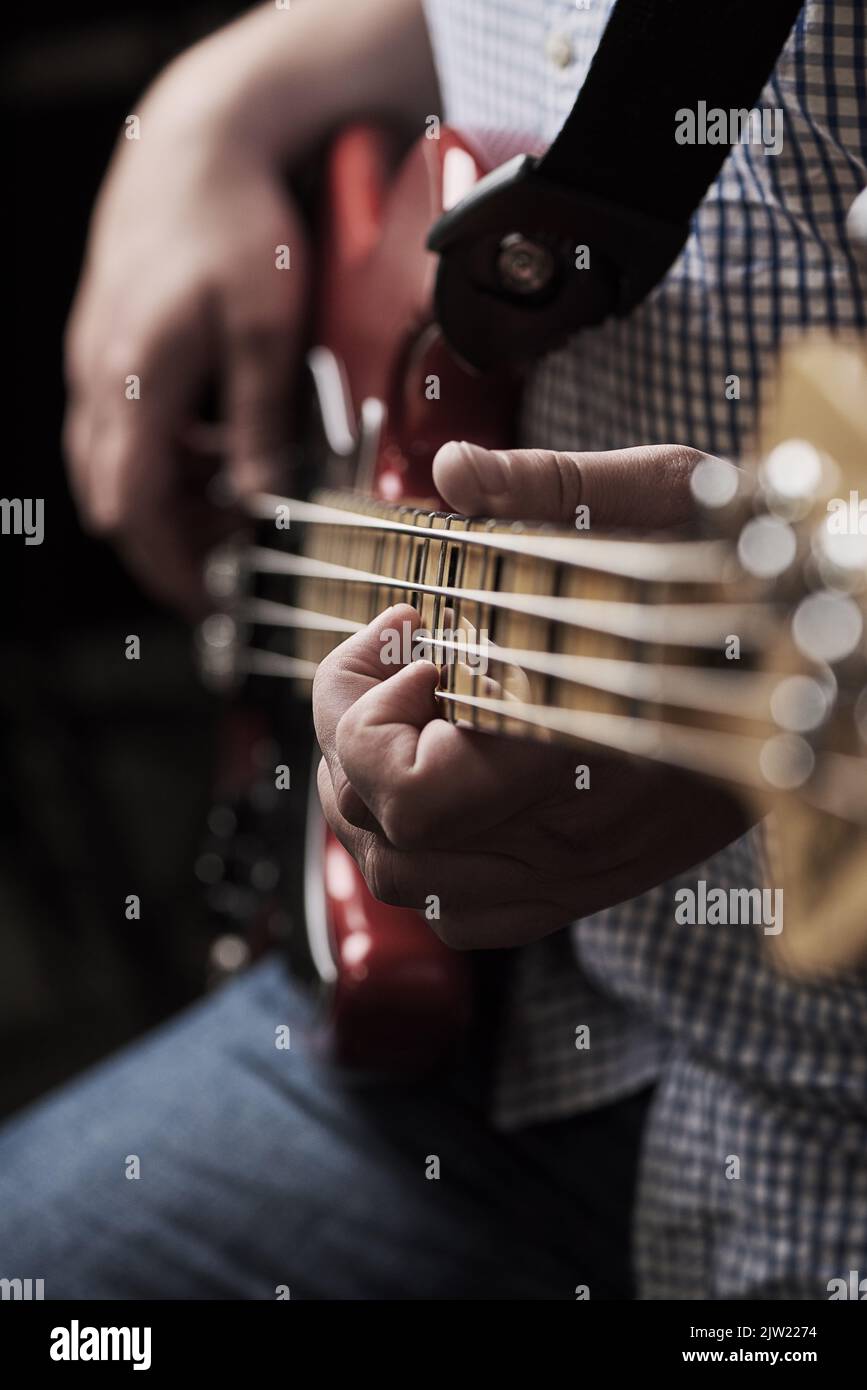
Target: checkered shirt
753,1178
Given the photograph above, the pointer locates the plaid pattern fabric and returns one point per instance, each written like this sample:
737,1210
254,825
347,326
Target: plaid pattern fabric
751,1067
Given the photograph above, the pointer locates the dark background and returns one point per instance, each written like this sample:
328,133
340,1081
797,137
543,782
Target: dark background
105,764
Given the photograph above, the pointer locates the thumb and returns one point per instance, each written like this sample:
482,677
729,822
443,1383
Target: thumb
257,384
646,487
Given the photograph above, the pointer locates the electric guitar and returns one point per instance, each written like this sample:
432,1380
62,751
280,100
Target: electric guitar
739,654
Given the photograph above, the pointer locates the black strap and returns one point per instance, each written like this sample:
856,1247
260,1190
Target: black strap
616,179
657,57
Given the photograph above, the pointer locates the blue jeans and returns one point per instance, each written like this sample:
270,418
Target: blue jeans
261,1167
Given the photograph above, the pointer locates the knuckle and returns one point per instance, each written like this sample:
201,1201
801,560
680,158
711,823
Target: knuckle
124,353
348,737
382,877
567,475
377,876
348,802
404,821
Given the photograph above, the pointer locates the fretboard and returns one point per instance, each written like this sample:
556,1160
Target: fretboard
645,646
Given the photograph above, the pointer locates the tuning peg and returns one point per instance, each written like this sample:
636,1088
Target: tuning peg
792,476
800,703
827,626
787,761
767,546
715,483
840,551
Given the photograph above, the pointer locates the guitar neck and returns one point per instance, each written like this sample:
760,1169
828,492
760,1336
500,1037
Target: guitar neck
679,651
645,646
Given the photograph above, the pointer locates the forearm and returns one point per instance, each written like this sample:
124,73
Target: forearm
278,80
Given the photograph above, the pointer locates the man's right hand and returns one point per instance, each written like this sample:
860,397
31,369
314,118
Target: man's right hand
182,290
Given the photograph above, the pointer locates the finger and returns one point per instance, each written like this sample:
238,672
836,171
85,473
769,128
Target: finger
646,487
428,782
352,668
458,883
258,373
140,400
76,450
345,675
352,808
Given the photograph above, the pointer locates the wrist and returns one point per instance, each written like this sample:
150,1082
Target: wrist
273,82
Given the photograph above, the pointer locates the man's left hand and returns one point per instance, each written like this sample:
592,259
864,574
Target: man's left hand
496,828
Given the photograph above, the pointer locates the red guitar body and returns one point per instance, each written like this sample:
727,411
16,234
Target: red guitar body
398,997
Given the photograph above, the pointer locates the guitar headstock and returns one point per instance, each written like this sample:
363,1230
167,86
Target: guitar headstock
800,517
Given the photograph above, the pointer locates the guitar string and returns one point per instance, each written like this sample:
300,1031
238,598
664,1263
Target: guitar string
840,789
696,624
730,757
702,562
742,693
733,757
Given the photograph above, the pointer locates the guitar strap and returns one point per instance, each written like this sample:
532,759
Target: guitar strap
671,88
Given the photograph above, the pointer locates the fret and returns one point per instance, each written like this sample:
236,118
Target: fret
458,674
486,623
403,567
438,576
391,559
379,565
604,626
364,543
554,636
325,595
426,563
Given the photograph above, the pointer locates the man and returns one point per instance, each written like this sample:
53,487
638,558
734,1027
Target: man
261,1170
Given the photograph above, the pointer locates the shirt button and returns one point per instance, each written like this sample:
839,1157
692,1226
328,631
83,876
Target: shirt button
559,50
